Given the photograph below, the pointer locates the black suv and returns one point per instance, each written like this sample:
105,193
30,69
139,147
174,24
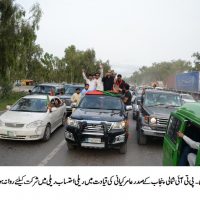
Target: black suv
99,121
156,106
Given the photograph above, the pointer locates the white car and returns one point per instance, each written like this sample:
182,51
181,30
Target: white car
187,98
31,119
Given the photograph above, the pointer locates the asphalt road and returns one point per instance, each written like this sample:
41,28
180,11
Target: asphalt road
55,153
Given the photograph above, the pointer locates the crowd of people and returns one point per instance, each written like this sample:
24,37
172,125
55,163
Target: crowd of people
110,82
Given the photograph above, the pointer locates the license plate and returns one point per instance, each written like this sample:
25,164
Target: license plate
11,133
94,140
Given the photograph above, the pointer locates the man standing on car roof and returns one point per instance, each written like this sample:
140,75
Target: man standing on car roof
98,78
119,84
108,81
90,81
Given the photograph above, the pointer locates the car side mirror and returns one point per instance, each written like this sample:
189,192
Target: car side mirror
8,107
129,107
30,91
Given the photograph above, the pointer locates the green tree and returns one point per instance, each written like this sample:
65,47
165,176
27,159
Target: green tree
17,42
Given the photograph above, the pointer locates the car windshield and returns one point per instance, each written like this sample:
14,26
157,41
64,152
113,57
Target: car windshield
72,90
164,99
187,96
43,89
30,105
101,102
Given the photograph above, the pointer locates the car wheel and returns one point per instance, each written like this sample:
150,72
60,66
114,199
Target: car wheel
47,133
123,148
70,146
141,138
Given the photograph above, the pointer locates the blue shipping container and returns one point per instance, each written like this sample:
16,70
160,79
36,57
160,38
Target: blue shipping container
189,81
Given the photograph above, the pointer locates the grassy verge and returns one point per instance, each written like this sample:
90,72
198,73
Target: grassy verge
10,100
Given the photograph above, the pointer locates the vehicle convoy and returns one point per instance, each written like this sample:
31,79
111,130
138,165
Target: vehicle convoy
99,121
66,97
155,109
48,88
31,119
187,120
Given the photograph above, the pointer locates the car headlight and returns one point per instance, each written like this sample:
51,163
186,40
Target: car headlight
153,120
72,122
35,124
2,123
119,125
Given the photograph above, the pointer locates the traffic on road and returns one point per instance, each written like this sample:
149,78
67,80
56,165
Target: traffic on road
82,126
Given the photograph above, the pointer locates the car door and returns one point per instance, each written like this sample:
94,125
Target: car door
54,116
171,145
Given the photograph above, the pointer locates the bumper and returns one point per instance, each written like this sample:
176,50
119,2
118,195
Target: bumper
22,133
95,140
68,108
150,132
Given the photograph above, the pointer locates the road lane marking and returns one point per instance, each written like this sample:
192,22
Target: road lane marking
52,154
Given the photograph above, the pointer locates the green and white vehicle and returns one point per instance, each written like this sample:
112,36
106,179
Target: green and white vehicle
187,120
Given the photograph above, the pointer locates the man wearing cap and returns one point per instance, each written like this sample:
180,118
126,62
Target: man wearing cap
108,81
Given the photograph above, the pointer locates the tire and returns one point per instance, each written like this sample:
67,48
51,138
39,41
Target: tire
123,148
47,133
70,146
141,138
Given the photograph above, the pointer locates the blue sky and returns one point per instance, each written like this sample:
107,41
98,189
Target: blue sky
129,33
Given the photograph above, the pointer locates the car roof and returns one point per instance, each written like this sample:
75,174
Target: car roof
35,96
160,91
76,85
186,95
191,111
51,84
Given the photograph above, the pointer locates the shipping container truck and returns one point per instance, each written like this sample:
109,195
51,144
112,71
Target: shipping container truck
188,82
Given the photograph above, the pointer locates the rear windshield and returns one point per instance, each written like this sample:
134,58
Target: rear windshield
72,90
46,89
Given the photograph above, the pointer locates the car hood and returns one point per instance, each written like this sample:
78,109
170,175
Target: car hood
97,115
160,111
21,117
189,101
